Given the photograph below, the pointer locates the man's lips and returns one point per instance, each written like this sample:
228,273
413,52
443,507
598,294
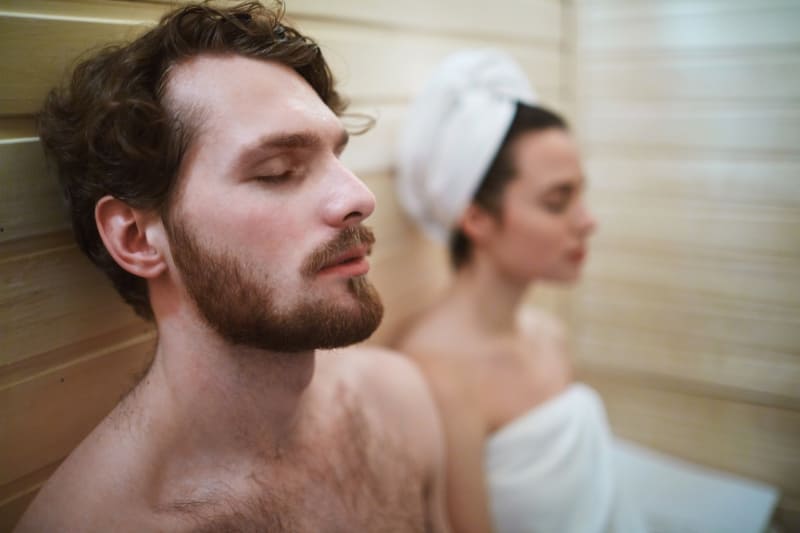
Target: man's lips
352,262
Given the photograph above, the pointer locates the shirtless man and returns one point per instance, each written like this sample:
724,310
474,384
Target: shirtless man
201,165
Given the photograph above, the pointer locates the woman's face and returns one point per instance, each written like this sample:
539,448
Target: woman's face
544,225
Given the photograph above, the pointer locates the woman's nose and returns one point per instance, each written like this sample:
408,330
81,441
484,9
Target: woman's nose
586,221
349,200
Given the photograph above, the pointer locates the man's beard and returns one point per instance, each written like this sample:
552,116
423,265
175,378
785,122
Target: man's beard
242,309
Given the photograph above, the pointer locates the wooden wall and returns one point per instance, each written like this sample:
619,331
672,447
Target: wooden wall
68,347
688,321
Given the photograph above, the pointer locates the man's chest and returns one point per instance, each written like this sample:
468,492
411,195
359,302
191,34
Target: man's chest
351,474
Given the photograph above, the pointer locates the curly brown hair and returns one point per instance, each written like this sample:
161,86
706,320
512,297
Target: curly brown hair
109,131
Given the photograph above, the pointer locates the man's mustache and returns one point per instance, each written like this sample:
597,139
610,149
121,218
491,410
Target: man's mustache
347,239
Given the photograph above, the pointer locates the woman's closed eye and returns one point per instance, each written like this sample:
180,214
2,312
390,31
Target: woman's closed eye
558,200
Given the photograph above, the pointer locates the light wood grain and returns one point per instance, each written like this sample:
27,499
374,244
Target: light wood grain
662,25
528,20
747,76
57,289
773,129
30,200
724,236
30,75
391,68
751,181
750,440
395,65
53,411
687,318
536,20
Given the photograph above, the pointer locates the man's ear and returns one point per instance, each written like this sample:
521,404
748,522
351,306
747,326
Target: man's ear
478,224
131,236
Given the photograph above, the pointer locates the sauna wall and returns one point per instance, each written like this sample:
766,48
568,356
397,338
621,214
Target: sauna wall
69,349
688,321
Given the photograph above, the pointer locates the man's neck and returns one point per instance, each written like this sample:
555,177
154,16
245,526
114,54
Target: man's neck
231,400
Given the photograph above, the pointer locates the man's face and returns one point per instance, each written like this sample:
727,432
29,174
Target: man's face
265,229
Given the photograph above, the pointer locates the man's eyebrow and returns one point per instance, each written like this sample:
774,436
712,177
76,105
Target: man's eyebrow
290,141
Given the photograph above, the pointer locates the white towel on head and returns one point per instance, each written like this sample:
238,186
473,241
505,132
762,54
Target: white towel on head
453,132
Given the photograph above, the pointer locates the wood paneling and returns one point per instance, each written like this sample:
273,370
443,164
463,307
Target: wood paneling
58,287
31,202
64,403
750,440
392,67
525,20
688,320
750,180
708,77
646,27
770,128
28,77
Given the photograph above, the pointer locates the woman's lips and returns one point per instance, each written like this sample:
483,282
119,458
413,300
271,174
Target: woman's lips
577,256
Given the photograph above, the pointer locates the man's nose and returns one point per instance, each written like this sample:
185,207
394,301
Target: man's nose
349,200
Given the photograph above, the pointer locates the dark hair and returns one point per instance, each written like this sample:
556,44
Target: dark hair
489,196
108,130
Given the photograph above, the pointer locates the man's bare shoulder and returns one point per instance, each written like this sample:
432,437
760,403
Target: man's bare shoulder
393,387
381,373
82,490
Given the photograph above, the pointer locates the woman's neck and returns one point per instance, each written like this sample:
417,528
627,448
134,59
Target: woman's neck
491,298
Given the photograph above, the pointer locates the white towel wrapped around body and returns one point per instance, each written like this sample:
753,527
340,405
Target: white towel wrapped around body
553,471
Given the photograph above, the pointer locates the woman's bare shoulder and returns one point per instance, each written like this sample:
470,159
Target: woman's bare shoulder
544,337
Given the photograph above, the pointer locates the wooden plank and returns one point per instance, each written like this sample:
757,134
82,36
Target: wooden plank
753,76
60,290
746,277
765,181
11,510
529,20
683,311
30,199
536,20
115,12
788,514
752,127
27,368
29,76
52,412
16,496
754,230
372,64
685,356
387,68
658,26
749,440
15,129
